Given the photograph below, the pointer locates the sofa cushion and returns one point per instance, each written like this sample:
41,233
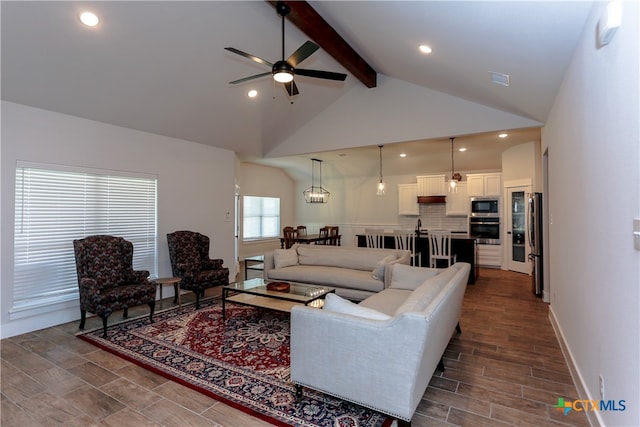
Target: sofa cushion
337,304
424,294
285,258
407,277
378,271
334,256
387,301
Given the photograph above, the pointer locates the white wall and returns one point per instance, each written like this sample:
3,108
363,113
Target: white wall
264,181
195,185
593,141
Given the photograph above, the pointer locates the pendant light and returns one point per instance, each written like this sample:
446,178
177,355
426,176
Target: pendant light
380,191
315,193
455,177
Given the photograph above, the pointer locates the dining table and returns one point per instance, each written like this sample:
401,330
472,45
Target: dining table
313,238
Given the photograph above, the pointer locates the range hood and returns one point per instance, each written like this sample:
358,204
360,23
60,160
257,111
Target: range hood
432,199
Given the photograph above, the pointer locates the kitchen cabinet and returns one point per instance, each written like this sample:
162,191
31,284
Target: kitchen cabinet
490,256
458,203
431,185
408,199
484,184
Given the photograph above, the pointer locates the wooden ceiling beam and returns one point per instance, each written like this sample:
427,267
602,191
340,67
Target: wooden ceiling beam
313,25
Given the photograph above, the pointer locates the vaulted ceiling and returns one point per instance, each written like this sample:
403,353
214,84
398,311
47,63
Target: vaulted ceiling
161,67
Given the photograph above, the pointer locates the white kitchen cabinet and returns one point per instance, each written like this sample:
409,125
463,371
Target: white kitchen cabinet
408,199
490,256
484,184
431,185
458,203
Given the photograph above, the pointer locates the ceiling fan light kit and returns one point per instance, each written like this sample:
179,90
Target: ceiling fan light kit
283,71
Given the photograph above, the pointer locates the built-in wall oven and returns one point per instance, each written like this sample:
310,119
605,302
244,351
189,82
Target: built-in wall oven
485,229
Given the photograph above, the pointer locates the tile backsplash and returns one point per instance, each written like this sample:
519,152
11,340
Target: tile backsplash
433,217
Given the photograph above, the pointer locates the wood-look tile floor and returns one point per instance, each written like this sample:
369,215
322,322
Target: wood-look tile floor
506,368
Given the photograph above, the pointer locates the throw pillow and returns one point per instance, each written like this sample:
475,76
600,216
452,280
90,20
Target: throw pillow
378,271
409,278
337,304
285,258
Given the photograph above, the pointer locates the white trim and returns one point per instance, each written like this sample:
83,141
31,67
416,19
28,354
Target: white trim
583,392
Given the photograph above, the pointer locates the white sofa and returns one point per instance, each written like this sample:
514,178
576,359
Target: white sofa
382,352
356,273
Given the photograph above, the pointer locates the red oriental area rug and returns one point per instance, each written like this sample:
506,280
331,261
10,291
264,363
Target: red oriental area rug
243,362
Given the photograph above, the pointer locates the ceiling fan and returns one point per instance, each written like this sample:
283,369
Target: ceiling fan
284,70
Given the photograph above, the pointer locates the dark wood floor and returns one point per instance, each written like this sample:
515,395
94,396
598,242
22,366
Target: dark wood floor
506,368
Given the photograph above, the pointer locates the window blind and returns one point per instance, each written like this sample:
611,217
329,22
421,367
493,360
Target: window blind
54,206
261,217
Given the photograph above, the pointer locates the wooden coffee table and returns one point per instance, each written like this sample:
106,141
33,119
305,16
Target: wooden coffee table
254,292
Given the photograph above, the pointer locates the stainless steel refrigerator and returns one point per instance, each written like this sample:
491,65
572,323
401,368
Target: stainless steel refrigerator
535,241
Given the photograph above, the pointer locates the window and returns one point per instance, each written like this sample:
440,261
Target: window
261,217
55,206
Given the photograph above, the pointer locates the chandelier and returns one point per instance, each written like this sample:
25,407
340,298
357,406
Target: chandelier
315,193
455,177
380,191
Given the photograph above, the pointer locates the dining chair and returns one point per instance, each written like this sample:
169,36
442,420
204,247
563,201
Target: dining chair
440,248
375,237
406,240
290,236
302,230
334,232
324,236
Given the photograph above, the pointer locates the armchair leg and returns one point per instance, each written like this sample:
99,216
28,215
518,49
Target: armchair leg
125,313
104,326
152,306
403,423
298,392
441,365
83,318
458,328
197,300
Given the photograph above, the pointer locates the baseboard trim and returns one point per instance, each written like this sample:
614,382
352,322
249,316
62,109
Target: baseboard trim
578,380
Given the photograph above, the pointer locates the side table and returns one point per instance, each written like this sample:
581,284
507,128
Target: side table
253,263
175,281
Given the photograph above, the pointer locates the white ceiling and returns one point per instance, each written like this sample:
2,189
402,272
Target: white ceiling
161,67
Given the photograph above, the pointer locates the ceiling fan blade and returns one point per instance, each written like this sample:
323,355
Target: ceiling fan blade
249,56
291,88
320,74
250,78
302,53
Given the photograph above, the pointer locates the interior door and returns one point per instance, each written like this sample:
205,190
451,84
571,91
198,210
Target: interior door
516,225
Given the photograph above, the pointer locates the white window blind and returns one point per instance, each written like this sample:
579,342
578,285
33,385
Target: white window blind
54,206
261,217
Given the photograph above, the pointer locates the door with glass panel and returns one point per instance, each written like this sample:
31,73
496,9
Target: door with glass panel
517,239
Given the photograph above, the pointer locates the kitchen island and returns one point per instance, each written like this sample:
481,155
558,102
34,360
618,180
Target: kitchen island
463,245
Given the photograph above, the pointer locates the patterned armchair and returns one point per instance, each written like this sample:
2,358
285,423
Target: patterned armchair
189,254
107,280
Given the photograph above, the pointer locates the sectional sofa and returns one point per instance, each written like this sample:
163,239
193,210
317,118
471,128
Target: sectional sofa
356,273
382,352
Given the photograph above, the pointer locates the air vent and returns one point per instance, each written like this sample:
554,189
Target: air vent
499,78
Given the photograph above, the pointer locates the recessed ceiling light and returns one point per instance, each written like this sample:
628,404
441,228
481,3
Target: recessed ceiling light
503,135
252,93
403,154
462,149
89,19
424,49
